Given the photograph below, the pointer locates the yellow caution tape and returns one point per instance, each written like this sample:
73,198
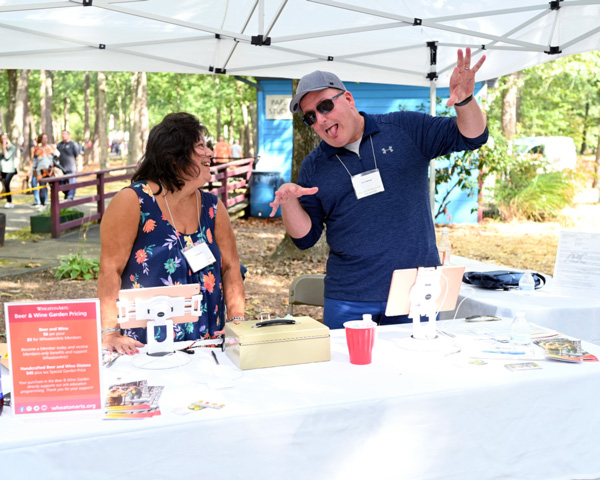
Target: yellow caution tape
22,191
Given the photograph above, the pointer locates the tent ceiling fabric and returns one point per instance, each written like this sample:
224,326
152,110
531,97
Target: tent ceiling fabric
381,41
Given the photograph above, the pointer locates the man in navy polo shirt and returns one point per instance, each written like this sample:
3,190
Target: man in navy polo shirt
367,182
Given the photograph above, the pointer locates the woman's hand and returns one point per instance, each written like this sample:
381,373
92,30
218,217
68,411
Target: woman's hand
115,342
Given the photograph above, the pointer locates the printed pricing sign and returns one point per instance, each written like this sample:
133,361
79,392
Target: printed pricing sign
54,350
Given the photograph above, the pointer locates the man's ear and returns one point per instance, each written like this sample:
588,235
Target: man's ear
348,96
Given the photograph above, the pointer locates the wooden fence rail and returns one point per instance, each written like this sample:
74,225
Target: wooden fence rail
229,182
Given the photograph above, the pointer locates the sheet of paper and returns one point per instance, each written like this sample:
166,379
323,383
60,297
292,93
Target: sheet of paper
577,267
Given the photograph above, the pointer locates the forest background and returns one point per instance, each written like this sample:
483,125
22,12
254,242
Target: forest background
559,98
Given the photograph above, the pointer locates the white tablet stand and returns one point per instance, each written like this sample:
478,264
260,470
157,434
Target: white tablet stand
423,297
159,312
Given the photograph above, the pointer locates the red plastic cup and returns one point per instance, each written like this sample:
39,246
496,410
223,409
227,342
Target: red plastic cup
360,337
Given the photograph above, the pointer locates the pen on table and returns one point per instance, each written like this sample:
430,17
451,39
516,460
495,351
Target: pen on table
215,357
111,361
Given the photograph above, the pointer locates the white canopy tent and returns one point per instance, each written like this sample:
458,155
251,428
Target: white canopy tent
389,41
405,42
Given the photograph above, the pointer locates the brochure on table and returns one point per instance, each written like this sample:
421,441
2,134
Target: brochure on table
577,267
54,351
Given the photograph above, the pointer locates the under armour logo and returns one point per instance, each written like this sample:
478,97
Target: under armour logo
386,150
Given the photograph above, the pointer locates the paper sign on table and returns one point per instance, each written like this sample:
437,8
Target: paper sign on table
577,267
54,350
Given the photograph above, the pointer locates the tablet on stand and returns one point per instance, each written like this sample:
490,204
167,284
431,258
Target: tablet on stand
424,292
159,307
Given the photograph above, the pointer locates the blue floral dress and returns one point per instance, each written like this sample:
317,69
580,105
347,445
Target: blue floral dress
157,260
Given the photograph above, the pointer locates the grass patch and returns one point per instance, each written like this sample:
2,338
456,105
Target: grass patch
25,235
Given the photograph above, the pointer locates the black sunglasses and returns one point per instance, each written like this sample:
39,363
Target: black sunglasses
323,107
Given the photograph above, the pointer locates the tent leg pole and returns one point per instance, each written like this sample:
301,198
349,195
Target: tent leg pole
432,111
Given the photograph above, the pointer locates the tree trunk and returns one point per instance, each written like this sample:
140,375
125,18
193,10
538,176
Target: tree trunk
67,104
584,133
305,141
219,127
143,111
96,141
509,107
252,137
86,120
12,78
596,183
247,135
102,121
120,105
218,108
46,104
231,124
135,147
28,134
17,122
520,77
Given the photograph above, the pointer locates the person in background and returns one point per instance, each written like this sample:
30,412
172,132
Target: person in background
8,166
69,153
148,230
236,150
222,151
367,182
44,155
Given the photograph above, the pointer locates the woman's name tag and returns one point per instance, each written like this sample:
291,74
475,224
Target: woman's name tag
367,183
198,256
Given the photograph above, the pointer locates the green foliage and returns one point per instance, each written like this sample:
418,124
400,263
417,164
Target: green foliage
63,212
467,170
526,190
542,198
206,96
558,98
77,267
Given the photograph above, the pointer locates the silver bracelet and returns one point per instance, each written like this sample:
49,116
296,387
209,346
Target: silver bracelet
108,330
233,319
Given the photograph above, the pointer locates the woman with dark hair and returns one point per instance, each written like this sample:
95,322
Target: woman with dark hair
149,226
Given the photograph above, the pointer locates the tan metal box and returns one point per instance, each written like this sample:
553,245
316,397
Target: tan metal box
276,342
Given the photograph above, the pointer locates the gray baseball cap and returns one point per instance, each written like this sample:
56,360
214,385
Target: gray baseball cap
313,82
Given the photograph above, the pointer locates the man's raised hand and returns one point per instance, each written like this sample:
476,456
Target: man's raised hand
462,81
288,192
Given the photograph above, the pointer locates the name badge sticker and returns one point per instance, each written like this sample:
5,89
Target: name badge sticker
367,183
198,256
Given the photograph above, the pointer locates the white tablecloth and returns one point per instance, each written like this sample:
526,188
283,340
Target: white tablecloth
578,317
405,416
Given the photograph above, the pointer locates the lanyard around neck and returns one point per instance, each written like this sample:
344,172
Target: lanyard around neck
374,157
171,215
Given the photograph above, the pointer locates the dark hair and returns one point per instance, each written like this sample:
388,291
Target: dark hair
167,159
